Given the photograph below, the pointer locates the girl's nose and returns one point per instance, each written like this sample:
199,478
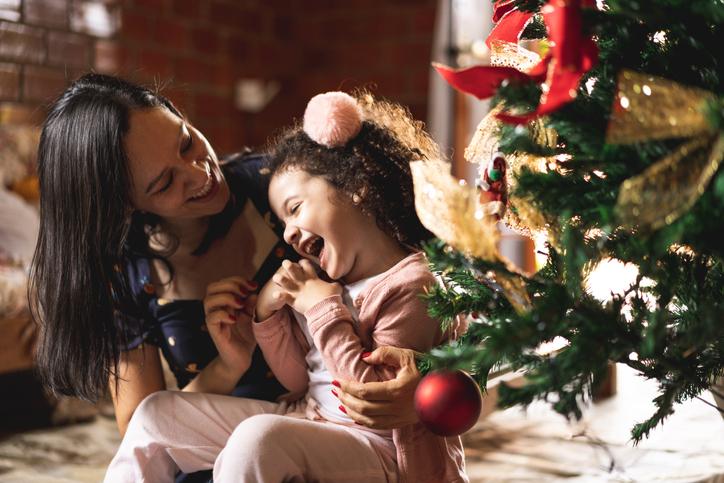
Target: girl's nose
291,234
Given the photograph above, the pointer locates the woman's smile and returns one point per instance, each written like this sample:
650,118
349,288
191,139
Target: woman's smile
209,188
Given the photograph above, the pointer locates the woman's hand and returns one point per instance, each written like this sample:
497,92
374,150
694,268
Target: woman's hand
300,287
384,405
229,306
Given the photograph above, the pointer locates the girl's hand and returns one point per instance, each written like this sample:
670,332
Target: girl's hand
271,298
384,405
229,306
300,287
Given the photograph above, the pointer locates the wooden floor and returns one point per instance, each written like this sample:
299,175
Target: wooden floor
511,445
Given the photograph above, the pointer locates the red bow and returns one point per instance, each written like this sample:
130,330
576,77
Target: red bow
571,56
509,22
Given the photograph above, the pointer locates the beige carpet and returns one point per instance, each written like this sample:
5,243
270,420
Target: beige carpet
511,445
75,453
539,445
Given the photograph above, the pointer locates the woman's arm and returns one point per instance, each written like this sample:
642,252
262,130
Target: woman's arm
384,405
139,374
217,377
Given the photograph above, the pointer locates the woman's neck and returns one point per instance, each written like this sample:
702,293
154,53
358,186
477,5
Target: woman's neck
188,233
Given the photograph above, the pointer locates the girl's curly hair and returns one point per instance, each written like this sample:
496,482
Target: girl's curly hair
375,165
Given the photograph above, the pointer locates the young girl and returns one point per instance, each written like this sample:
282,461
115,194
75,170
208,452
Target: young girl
341,184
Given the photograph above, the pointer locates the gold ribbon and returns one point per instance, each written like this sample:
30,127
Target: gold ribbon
515,291
508,54
452,211
651,108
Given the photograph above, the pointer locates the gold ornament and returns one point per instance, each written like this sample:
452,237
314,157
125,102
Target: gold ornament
525,216
522,215
651,108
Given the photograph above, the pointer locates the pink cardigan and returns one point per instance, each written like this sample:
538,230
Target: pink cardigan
392,313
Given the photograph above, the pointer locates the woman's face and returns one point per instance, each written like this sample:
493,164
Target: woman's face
175,173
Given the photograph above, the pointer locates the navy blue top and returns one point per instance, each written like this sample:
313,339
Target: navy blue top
178,327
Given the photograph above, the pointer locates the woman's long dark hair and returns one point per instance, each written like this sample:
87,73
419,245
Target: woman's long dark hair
87,226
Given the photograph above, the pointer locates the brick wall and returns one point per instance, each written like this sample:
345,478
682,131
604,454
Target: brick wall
198,49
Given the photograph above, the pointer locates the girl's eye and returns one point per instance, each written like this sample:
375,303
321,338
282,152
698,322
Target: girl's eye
294,208
167,185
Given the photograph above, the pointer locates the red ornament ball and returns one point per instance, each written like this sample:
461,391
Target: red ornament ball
447,402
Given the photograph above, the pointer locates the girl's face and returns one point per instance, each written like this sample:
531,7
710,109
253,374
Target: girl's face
326,227
175,172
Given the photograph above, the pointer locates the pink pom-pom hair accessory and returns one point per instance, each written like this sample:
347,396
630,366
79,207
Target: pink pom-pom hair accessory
333,118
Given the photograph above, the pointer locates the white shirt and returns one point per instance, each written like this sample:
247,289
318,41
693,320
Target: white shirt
320,379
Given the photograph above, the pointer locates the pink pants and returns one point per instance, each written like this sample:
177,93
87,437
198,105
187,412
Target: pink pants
244,440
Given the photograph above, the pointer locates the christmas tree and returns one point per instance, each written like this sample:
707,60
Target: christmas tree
610,118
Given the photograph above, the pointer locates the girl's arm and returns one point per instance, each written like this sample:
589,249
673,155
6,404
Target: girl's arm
283,349
401,320
280,339
139,375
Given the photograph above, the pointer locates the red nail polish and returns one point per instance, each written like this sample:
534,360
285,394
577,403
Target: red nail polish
336,383
253,283
365,355
341,408
335,393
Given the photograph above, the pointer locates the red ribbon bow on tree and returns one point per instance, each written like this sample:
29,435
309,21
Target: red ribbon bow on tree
572,54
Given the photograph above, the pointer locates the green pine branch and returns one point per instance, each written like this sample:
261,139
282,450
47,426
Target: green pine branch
667,324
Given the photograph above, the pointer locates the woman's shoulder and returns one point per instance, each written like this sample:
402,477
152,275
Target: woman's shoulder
246,166
135,268
248,177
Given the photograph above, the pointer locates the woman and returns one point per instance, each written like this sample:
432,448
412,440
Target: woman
138,217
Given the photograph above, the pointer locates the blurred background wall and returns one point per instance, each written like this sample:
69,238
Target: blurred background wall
204,52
